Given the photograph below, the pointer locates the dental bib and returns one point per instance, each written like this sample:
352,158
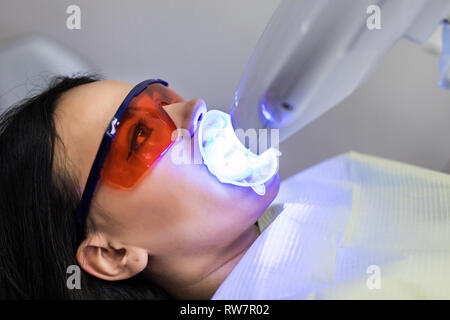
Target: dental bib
229,160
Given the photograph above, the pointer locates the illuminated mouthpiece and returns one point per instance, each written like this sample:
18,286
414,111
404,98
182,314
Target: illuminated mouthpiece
229,160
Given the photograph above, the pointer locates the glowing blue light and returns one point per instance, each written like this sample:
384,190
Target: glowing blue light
265,111
226,157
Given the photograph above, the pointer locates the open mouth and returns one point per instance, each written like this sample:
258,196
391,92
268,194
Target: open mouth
229,160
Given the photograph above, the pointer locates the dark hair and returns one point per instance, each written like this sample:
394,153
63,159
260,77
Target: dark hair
38,199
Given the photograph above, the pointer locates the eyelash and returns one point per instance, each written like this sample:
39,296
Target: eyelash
139,130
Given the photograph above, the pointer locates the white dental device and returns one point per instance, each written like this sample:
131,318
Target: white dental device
314,53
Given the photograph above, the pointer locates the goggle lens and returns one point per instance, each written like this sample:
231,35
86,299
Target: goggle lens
143,134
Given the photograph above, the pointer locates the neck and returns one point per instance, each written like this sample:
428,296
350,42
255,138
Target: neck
205,286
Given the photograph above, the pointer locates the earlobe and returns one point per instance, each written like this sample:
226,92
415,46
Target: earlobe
110,261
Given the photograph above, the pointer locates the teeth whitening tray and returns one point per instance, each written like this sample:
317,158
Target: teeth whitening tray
229,160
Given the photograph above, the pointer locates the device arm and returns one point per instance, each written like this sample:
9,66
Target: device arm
314,53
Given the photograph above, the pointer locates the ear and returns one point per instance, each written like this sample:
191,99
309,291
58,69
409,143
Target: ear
108,260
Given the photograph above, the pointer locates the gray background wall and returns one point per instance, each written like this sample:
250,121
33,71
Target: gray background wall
202,47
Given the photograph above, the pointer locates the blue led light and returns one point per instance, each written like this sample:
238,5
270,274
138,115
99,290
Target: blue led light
266,112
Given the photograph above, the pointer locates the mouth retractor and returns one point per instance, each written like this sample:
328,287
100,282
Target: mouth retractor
229,160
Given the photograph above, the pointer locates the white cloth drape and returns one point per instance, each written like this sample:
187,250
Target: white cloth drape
352,227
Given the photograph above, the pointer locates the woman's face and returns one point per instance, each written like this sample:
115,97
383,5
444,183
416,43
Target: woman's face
177,211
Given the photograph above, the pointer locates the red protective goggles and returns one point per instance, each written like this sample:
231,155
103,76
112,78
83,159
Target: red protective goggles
139,133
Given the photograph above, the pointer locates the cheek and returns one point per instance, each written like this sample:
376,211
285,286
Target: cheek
181,205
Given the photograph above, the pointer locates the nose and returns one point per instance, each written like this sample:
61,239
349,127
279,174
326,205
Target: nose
187,114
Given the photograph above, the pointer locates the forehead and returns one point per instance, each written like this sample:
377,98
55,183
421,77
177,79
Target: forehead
99,99
82,115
